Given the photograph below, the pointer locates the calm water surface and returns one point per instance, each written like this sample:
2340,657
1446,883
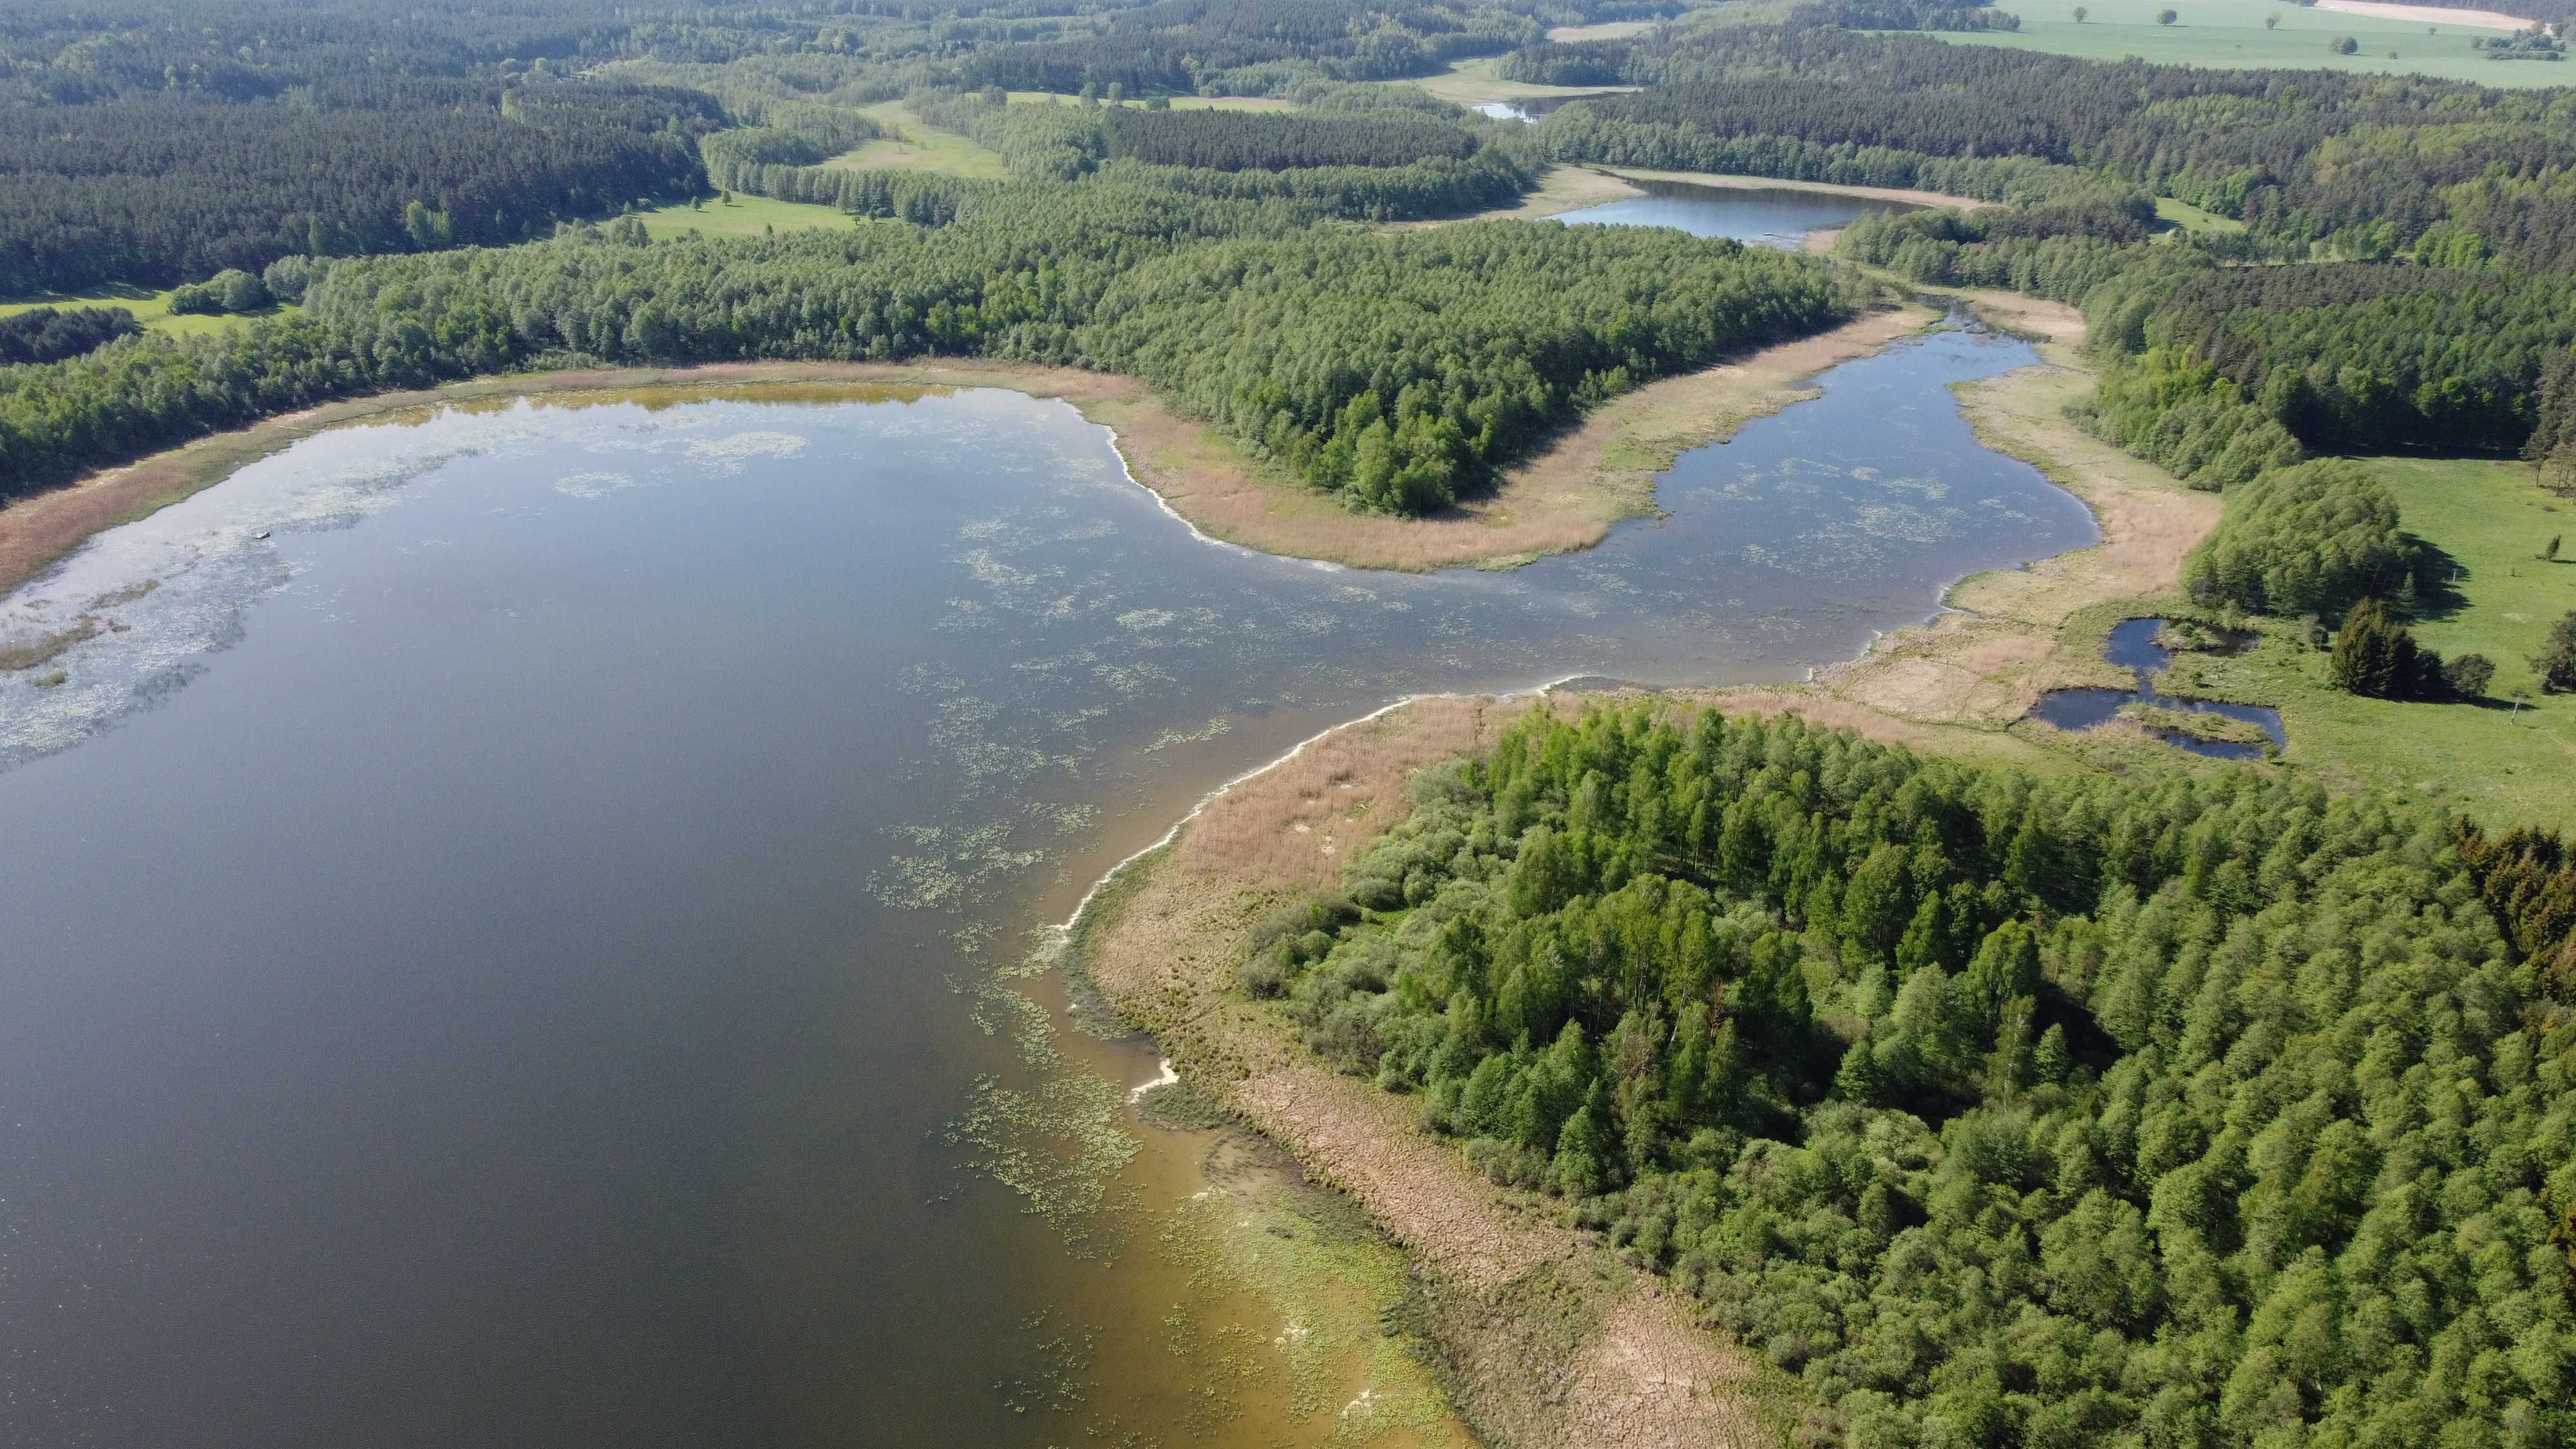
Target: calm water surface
2132,646
498,933
1773,216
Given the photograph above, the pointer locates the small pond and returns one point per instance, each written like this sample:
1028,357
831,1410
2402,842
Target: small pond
2133,646
1532,108
1773,216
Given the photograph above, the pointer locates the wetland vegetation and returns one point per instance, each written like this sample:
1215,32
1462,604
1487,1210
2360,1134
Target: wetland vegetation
1838,1061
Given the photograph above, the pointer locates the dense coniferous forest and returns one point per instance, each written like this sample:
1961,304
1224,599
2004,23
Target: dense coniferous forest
165,188
1245,141
50,334
1173,45
2183,1111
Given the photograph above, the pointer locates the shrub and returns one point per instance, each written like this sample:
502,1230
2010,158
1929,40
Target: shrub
240,291
195,299
2556,661
2469,675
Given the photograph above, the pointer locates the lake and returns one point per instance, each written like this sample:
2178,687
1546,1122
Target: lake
1768,215
517,917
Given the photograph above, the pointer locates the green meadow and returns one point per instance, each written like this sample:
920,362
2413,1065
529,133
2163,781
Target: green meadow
2232,34
2489,522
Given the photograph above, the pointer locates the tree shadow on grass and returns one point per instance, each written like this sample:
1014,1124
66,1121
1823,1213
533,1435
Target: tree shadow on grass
2438,576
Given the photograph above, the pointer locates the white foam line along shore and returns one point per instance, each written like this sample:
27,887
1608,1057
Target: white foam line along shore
1212,796
1196,532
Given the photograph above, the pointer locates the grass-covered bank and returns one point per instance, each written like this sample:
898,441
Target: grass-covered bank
1543,1337
2500,759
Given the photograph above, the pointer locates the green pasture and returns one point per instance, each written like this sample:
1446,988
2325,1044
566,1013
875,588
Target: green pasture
2232,34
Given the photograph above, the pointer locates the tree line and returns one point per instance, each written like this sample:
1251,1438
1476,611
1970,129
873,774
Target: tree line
2367,165
2206,1111
1398,369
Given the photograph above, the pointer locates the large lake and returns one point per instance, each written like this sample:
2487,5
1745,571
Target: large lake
500,935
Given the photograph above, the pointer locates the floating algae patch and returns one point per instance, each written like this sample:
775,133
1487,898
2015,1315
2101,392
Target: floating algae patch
1057,1145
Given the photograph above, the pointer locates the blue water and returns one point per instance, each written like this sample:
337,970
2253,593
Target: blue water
2133,647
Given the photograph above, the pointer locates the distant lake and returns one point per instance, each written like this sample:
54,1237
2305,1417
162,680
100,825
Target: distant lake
1773,216
500,935
1532,108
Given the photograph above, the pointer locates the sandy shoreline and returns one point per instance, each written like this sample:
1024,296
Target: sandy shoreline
1731,182
1597,474
1611,1358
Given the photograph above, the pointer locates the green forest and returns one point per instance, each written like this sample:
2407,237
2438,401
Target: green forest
1397,368
2000,1110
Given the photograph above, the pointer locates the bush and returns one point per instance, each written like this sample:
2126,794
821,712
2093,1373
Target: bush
2315,537
2469,675
195,299
240,291
287,277
2556,661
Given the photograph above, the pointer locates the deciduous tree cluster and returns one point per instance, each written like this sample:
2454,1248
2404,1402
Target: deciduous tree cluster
2197,1111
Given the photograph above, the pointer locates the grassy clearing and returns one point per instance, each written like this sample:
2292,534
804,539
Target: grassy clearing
919,146
149,307
1607,30
744,215
2231,34
1473,82
2190,218
2489,520
1179,103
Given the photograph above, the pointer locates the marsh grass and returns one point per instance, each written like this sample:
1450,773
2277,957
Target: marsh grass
2220,728
18,654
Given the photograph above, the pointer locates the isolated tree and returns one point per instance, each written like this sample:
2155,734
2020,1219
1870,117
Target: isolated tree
2550,552
2344,45
2271,22
2375,657
2166,17
2556,661
2080,13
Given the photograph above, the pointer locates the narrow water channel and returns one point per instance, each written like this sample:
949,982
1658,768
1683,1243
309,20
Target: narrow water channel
512,917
